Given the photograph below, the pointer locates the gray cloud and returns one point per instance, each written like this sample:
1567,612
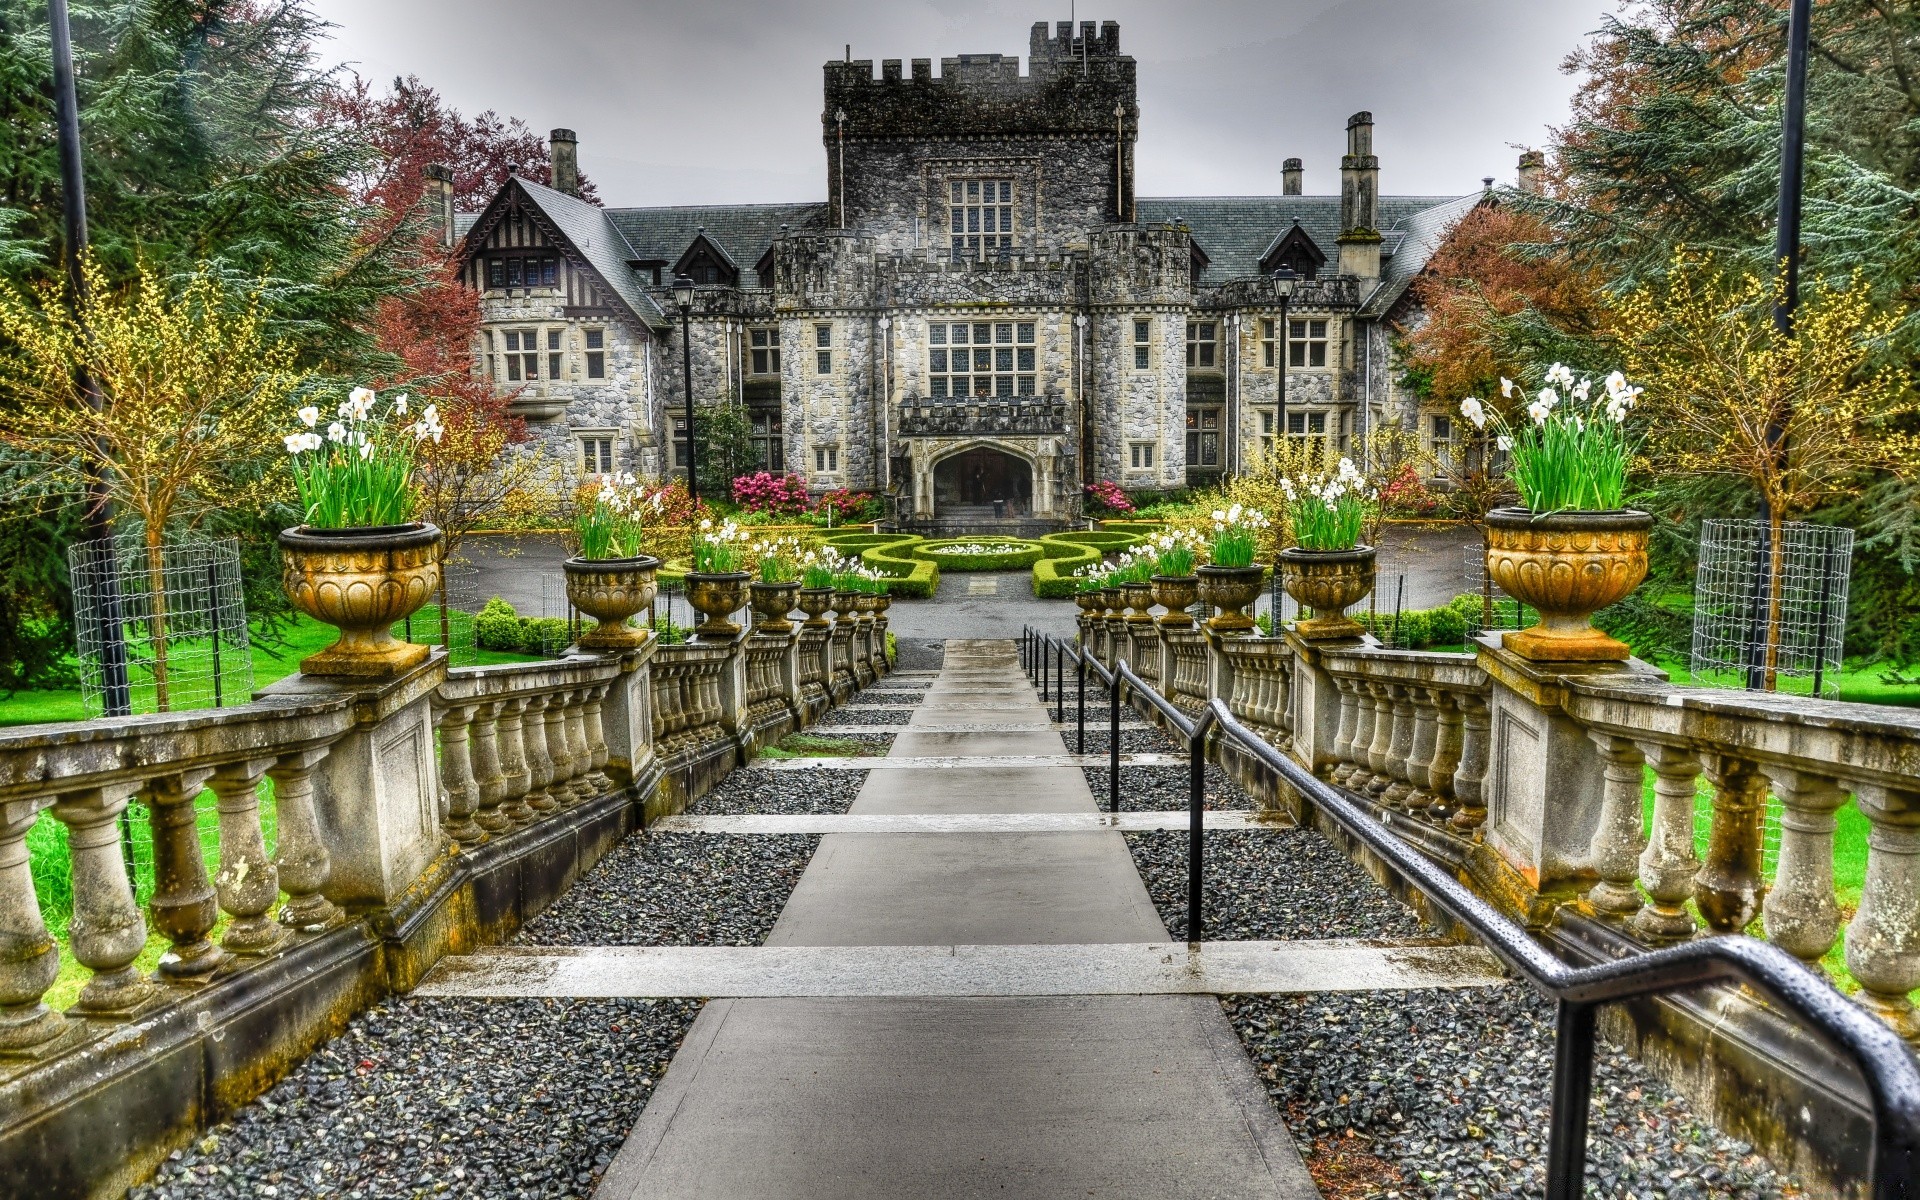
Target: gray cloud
718,101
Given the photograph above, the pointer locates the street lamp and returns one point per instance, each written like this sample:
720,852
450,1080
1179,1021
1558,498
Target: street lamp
1283,283
683,296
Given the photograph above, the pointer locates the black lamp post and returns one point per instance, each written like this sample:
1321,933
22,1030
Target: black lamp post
1283,282
683,296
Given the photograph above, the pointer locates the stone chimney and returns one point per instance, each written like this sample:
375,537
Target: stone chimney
563,151
1290,177
1533,173
1360,201
438,200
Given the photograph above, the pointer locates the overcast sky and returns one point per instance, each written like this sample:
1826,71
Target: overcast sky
718,101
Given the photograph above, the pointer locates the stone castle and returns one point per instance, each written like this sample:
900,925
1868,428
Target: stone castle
980,318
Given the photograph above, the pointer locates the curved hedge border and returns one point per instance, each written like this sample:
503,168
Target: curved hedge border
1065,553
1028,554
891,554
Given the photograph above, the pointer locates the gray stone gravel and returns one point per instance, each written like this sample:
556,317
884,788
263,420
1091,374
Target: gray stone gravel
918,654
892,714
1132,741
766,790
1268,885
902,697
1450,1089
678,889
440,1097
1164,789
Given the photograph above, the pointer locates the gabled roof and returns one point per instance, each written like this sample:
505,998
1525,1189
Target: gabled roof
585,229
1236,231
1291,238
1419,234
702,242
743,232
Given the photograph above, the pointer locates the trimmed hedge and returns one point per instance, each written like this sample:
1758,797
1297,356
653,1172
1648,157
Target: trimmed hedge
1420,628
498,627
1065,553
892,555
1027,554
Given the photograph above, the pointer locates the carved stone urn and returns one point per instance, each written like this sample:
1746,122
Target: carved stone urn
881,603
1112,601
772,602
1231,590
1328,582
611,591
816,602
1176,594
1139,598
361,581
1090,603
1568,565
716,597
846,604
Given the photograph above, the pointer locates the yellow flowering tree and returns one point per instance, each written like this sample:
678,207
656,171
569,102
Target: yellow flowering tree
195,393
1802,419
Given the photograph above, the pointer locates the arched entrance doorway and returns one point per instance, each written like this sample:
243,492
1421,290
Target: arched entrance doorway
983,483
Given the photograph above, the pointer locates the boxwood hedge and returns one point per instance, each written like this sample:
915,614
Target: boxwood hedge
1025,554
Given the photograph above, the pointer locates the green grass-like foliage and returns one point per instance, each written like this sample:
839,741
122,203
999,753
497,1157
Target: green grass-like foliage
360,472
498,627
947,555
1572,451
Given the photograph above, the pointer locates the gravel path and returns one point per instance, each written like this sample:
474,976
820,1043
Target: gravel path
802,793
678,889
1164,789
1132,741
435,1097
896,696
1268,885
892,714
1457,1107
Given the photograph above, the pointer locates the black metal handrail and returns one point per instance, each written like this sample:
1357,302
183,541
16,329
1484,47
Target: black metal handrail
1888,1067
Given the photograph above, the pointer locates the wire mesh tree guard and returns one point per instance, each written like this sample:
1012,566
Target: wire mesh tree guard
1771,617
181,614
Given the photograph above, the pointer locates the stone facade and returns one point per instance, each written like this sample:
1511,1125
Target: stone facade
981,247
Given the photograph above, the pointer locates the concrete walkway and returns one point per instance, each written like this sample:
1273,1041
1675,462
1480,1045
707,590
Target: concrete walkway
960,1096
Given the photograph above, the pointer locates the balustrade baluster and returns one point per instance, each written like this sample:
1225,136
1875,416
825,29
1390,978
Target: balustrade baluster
1344,734
581,766
1367,715
1379,778
570,755
106,931
1801,914
1883,939
533,732
1469,778
301,857
1426,730
1446,755
184,905
247,883
1668,864
596,734
30,960
456,774
483,743
1618,837
516,763
1727,889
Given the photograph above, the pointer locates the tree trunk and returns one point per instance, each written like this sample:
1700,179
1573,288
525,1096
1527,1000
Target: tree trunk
1777,560
157,616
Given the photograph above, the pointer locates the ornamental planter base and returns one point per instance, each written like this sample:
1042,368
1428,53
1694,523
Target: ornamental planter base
1567,566
361,581
1230,590
1327,582
717,597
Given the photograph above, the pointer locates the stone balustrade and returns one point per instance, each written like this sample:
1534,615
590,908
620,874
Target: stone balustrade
1530,782
410,818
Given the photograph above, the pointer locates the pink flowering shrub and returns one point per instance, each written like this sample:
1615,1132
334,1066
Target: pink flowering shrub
1106,496
763,491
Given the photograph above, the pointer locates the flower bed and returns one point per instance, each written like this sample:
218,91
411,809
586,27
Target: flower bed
980,554
1065,553
892,555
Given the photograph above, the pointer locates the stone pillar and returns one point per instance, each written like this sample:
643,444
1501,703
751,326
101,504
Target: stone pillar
628,712
733,690
1545,778
106,931
1617,840
1802,915
1883,939
377,792
32,960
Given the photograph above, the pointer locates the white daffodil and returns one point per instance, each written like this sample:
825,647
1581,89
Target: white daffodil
360,401
1504,442
336,432
1547,398
366,450
1473,410
296,442
1561,374
1539,411
309,416
1582,390
1506,387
